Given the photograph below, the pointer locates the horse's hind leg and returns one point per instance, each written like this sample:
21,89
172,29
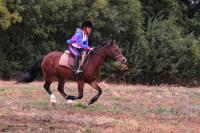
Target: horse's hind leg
47,88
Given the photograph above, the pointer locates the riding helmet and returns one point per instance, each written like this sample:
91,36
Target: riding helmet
87,24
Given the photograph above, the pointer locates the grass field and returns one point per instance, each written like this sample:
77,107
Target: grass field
120,109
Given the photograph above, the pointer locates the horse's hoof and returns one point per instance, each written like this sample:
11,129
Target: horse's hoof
70,97
53,98
90,103
53,104
69,101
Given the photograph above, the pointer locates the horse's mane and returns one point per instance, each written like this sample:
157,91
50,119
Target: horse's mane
102,44
96,48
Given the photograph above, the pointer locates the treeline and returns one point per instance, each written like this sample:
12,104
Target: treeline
160,39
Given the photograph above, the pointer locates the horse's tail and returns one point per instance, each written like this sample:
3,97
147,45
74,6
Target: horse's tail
33,73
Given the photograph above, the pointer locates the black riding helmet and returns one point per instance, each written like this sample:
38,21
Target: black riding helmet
87,24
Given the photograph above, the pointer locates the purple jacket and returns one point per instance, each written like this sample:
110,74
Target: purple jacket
77,39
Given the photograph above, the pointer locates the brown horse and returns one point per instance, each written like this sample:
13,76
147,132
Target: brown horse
51,69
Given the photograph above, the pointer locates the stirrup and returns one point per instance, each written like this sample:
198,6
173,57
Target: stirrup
78,71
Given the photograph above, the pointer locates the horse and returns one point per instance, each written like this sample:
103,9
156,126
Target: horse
50,68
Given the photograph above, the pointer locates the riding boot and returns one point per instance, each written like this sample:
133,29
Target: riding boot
77,69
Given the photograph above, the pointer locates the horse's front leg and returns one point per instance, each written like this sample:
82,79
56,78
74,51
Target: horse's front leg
95,86
80,91
61,83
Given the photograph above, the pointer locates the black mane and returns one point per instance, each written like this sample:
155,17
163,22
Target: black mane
102,44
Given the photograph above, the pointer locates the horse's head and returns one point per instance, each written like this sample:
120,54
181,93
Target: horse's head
115,53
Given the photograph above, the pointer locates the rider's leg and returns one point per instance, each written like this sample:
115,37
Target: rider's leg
76,62
76,53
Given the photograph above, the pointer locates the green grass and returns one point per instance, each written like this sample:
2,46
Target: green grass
113,109
29,89
115,98
5,90
96,108
160,110
174,112
166,111
6,127
80,105
9,127
103,115
159,91
40,104
130,91
2,89
91,130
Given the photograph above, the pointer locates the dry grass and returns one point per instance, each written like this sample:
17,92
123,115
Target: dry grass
120,109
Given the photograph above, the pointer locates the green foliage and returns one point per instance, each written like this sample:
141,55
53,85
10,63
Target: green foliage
159,39
8,16
166,56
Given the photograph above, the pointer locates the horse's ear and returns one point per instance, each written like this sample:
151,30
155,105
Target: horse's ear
112,42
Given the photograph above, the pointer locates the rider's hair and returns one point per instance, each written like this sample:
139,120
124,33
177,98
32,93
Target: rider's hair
87,23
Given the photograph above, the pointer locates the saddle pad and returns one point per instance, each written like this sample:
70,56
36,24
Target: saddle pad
66,60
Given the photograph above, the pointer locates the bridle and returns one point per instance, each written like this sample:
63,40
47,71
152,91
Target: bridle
93,51
102,56
116,57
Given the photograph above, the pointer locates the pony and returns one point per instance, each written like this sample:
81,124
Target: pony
51,70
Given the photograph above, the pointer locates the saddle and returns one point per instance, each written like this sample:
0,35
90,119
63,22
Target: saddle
67,60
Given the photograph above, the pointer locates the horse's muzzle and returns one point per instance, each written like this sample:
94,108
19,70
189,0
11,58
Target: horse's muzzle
124,66
124,60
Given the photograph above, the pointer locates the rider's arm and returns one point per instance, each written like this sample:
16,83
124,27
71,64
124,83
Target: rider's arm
77,38
72,40
80,42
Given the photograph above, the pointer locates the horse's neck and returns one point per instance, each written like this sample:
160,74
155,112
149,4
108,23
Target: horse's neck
100,55
96,59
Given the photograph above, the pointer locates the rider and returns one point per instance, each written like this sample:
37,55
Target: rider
79,43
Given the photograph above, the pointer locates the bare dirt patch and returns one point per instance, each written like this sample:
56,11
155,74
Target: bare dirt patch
120,109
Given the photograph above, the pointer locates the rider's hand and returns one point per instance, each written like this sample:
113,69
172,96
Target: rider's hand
91,49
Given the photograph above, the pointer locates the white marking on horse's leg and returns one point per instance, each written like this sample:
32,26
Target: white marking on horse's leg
52,98
71,101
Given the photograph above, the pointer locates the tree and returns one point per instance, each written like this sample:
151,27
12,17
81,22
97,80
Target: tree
8,17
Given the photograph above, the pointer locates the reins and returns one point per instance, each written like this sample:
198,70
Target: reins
101,55
88,54
92,51
97,54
